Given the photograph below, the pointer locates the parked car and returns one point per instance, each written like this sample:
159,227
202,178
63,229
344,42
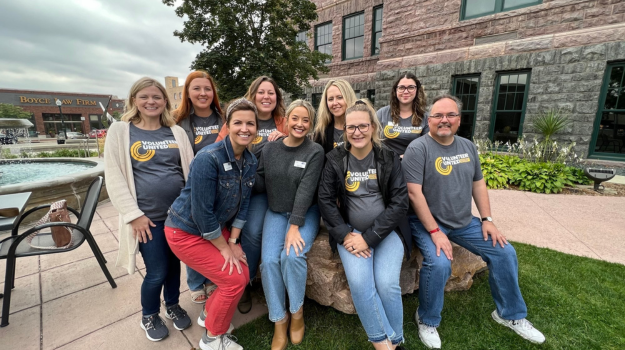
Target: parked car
73,135
100,133
60,138
7,138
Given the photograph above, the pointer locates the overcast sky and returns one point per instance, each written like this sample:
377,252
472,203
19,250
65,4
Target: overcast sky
89,46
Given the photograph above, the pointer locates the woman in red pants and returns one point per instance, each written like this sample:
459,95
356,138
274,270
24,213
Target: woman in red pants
204,224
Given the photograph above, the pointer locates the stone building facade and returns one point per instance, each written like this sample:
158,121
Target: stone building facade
508,66
174,91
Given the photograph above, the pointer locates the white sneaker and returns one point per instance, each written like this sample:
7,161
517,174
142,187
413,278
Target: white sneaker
522,327
220,342
201,320
428,335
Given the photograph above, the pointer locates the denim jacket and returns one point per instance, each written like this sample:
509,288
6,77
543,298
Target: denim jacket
216,188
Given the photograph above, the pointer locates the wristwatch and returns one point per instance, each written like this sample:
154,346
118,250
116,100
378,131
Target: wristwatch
234,240
488,218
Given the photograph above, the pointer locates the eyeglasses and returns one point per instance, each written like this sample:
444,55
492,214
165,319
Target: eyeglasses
410,88
350,129
449,116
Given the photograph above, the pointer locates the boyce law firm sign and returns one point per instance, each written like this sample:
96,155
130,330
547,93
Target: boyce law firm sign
36,99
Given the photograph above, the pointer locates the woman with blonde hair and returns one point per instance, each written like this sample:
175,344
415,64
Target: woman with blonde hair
266,95
201,117
144,152
289,172
363,200
405,118
337,96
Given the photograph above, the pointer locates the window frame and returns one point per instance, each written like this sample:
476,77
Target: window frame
493,114
498,9
305,41
592,154
331,41
361,13
373,32
477,98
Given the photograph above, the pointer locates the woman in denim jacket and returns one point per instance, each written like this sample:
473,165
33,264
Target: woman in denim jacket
215,198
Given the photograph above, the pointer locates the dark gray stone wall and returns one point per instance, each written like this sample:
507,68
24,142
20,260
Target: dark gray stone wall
568,78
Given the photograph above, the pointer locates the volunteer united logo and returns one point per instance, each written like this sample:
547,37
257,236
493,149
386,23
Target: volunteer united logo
353,179
150,148
202,131
262,133
391,131
444,165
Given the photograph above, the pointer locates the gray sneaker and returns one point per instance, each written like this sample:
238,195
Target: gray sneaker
220,342
154,327
522,327
202,322
179,316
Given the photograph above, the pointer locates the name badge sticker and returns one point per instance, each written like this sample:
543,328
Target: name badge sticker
300,164
227,166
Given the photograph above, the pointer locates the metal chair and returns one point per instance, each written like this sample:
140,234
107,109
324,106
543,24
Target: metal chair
14,246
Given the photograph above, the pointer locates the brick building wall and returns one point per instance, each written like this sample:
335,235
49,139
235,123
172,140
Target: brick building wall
174,91
565,44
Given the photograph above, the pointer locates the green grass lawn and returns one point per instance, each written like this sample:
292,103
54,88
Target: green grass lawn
578,303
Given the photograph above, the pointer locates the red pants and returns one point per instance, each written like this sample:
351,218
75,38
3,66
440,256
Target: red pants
202,256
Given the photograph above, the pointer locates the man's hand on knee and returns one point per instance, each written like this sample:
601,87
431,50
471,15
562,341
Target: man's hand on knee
488,228
442,242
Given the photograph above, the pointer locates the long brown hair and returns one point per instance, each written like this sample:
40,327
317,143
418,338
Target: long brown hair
418,104
184,110
278,112
132,112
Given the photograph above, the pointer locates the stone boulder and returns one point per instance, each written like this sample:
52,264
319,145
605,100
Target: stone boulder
327,283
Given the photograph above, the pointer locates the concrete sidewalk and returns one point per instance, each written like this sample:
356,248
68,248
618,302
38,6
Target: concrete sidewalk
63,301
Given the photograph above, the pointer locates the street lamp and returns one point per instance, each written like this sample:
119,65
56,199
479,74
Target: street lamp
59,103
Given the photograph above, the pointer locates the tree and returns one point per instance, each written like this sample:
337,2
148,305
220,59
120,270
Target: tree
244,39
11,111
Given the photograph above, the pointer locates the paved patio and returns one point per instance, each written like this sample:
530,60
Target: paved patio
63,301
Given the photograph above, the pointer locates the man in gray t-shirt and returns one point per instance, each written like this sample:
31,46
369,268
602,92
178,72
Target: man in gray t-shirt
443,175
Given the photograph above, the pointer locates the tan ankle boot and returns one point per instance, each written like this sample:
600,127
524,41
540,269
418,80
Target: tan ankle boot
297,328
280,339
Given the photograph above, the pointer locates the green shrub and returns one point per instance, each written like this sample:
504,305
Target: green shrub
496,169
66,153
541,177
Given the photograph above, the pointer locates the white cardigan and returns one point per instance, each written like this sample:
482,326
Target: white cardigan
120,184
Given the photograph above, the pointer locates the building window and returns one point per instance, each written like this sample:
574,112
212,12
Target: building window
180,95
175,96
377,30
478,8
466,88
301,37
371,96
173,83
316,99
509,106
323,39
353,36
609,132
357,93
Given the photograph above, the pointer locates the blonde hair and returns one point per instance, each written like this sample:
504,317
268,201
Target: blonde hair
364,105
305,104
324,117
132,112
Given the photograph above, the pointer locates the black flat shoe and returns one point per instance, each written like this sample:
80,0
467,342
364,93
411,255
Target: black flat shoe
245,304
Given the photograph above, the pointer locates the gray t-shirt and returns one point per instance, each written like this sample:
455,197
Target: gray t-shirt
398,136
338,137
447,174
206,130
265,127
156,169
364,199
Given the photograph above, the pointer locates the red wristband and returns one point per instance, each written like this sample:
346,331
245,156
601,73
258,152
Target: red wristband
435,230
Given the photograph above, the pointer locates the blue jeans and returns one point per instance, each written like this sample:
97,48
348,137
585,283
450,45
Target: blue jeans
196,280
251,235
502,264
280,271
162,272
374,284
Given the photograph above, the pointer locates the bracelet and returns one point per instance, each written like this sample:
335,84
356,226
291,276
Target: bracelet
435,230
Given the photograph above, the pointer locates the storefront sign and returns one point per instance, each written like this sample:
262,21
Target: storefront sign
79,102
43,99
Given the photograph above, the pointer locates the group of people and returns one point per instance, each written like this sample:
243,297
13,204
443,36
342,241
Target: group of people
229,193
